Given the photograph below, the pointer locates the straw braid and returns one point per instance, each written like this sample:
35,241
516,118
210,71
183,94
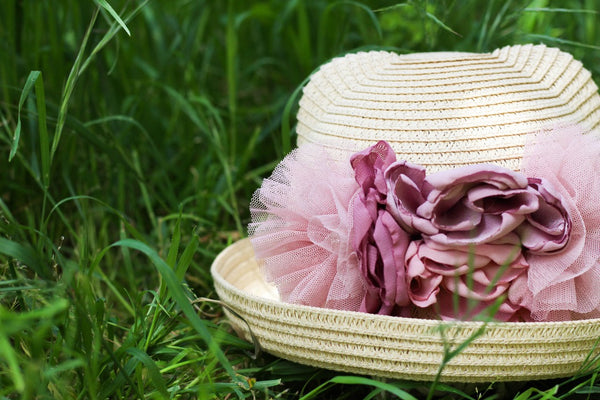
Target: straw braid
395,347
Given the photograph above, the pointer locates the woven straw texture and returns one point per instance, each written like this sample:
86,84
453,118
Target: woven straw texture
395,347
443,110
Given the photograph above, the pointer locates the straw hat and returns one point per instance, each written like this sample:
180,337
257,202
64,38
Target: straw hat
440,110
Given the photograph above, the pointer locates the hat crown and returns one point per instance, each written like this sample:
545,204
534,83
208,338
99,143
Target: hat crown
446,109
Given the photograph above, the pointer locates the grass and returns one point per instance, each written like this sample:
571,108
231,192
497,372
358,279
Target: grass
132,135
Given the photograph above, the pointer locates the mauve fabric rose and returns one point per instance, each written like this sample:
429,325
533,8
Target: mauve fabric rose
548,229
379,242
471,278
423,285
381,259
474,204
409,188
369,166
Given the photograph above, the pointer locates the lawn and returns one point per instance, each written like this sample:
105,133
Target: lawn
132,136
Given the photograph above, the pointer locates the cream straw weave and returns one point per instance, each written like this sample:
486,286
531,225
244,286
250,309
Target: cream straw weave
443,110
394,347
440,110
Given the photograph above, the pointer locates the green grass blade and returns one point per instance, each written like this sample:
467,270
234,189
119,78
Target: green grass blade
116,292
560,10
25,254
177,293
500,16
29,84
553,39
525,395
10,356
43,131
356,380
12,323
392,7
108,36
174,245
450,353
316,391
153,371
302,40
232,77
370,13
172,254
441,24
482,36
104,4
70,86
67,366
185,260
286,131
15,322
144,188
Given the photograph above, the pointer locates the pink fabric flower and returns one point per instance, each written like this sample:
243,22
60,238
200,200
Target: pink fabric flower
460,283
475,204
423,285
379,242
408,189
564,284
300,231
548,228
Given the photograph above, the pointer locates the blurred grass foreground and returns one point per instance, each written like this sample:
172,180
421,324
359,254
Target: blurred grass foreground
133,134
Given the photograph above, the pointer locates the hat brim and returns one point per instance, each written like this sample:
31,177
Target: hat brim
395,347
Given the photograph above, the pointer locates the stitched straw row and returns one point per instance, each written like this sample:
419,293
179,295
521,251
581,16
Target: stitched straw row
395,347
443,110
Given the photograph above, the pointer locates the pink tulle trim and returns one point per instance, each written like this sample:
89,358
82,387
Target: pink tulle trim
301,231
565,285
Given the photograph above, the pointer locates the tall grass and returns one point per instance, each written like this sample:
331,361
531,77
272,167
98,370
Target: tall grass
133,134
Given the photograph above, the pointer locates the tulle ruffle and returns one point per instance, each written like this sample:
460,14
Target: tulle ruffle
565,284
300,231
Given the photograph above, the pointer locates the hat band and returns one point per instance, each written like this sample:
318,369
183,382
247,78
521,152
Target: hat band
380,235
